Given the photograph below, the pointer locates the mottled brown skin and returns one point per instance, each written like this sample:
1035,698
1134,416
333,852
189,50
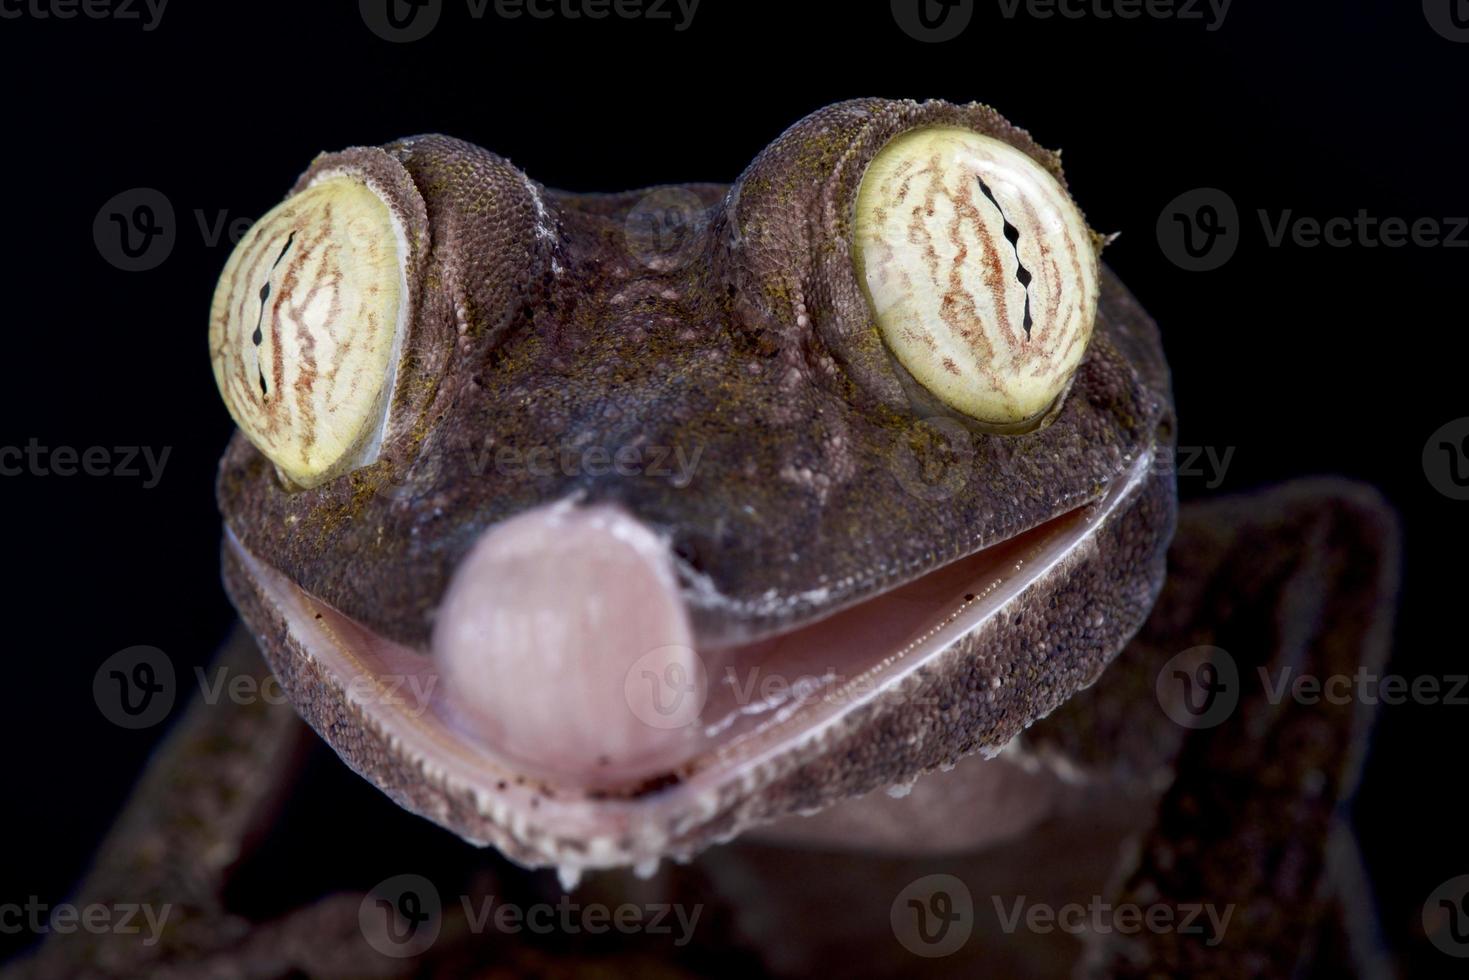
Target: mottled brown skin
536,323
1239,814
716,355
609,352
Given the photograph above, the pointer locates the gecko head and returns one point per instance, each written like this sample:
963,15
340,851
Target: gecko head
855,480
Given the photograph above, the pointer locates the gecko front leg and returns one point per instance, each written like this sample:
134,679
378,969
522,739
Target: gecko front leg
208,792
1123,798
1297,589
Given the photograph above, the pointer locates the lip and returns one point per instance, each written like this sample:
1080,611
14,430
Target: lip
768,703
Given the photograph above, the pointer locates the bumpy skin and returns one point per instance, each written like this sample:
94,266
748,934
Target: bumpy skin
532,319
537,323
1247,814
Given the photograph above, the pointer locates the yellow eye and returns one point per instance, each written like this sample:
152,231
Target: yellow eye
981,271
307,328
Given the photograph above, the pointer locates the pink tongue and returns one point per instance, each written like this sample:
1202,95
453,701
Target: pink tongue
563,643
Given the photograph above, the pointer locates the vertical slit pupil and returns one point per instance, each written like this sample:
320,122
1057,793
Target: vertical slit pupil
258,337
1012,235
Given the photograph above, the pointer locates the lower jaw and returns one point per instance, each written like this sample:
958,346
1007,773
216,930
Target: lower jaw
770,705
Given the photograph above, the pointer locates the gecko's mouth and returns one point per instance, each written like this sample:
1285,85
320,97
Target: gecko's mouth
648,722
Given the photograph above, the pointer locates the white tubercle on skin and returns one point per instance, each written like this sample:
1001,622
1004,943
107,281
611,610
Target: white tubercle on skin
981,271
564,643
307,327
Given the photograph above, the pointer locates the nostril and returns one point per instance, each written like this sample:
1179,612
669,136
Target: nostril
546,636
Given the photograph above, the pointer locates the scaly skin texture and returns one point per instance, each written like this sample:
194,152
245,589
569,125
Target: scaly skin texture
760,354
1248,814
538,324
533,322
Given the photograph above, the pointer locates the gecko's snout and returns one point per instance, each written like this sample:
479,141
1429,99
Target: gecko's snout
564,642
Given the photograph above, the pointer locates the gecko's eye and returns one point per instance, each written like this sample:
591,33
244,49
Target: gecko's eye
307,328
981,271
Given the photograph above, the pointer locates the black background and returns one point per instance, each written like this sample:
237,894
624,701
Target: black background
1305,361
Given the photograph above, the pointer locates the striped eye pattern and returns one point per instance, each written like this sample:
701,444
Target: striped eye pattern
307,328
981,272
